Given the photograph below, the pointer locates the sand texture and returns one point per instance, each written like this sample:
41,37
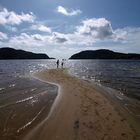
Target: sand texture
80,112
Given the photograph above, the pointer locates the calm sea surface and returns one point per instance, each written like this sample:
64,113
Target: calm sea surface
24,99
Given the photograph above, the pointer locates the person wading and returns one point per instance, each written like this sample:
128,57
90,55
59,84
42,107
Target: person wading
57,63
62,63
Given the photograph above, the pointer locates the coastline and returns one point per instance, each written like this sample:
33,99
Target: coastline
79,112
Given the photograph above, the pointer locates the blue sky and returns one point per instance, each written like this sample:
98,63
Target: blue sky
63,27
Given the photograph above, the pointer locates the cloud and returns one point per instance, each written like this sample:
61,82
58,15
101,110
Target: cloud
59,37
24,39
11,28
88,33
12,18
67,12
97,28
91,33
3,36
41,28
121,36
130,35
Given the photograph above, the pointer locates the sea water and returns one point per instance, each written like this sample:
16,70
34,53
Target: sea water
24,100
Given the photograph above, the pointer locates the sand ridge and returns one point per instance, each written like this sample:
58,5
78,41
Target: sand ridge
82,113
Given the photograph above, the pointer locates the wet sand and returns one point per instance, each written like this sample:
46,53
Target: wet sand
80,112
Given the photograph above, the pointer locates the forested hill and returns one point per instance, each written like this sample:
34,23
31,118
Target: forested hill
10,53
104,54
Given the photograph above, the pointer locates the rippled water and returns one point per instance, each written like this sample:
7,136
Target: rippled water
120,78
118,74
24,99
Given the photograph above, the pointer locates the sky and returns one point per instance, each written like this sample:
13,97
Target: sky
61,28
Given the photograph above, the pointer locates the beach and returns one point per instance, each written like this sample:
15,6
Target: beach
80,112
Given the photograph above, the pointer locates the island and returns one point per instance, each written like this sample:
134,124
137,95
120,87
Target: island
104,54
10,53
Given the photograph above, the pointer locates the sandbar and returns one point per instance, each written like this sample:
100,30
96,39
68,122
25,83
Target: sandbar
80,112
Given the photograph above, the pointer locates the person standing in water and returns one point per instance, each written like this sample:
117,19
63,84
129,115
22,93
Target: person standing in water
57,63
62,63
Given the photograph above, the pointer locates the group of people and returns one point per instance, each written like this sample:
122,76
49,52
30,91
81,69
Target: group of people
58,63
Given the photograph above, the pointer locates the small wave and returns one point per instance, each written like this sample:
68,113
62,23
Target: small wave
120,98
33,89
133,109
30,122
12,85
17,102
31,71
24,100
2,89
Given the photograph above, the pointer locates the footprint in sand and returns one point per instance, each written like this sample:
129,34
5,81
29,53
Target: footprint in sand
104,136
124,135
113,122
108,116
96,112
76,124
93,125
123,119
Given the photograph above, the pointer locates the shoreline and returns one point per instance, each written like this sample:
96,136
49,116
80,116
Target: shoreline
52,107
79,112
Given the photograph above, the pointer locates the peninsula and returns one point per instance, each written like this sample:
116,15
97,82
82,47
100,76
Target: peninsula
80,112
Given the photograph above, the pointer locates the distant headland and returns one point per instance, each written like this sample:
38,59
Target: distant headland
10,53
104,54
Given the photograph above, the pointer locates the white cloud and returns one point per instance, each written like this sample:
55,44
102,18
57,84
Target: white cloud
97,28
88,33
27,40
11,28
3,36
67,12
41,28
58,37
12,18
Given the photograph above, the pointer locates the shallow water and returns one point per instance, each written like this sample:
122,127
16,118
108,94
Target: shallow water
24,101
